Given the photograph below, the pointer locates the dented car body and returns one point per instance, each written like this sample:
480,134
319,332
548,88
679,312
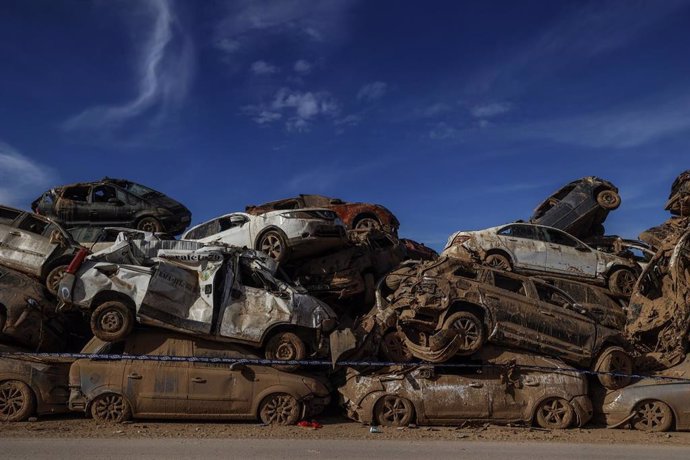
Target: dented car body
361,216
219,292
31,386
536,249
502,389
679,200
579,208
118,390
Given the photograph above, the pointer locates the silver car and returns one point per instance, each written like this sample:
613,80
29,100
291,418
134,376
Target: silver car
35,245
298,232
537,249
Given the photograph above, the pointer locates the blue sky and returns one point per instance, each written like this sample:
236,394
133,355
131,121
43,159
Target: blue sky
455,115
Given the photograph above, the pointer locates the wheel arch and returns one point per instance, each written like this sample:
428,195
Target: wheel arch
305,333
363,215
674,413
482,312
35,391
537,402
379,394
62,260
500,251
266,230
274,389
108,295
105,389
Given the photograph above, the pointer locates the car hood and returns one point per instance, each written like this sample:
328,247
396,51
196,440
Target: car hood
163,201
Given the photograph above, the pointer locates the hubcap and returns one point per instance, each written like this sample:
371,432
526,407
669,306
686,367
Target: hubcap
11,400
272,246
110,408
469,332
286,351
394,410
554,412
651,415
626,281
395,347
279,409
112,321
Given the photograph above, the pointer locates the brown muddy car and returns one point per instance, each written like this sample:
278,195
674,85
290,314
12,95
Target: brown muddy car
118,390
31,386
354,215
449,307
505,388
679,200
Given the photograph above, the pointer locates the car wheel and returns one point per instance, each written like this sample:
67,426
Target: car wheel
273,244
112,321
652,416
608,199
470,330
392,410
617,361
622,282
394,349
111,407
286,346
368,223
498,261
16,401
279,409
54,277
555,414
150,224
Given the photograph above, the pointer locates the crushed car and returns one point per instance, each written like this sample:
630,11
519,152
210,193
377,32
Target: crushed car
280,234
659,309
35,245
113,202
536,249
417,251
669,231
579,208
99,238
505,387
360,216
218,292
636,250
449,308
118,390
678,202
31,385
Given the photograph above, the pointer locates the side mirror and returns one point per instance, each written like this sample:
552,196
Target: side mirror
237,220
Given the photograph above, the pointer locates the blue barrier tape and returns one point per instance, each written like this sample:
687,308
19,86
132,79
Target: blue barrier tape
324,363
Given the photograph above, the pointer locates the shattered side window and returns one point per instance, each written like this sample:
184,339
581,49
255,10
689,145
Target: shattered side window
291,204
78,193
552,295
205,230
519,231
102,194
8,215
32,224
509,284
561,238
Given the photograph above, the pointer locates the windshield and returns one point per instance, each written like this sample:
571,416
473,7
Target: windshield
138,190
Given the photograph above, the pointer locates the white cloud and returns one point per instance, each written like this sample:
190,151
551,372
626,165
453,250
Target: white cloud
263,68
228,45
442,131
372,91
165,70
21,178
490,110
435,109
299,109
302,67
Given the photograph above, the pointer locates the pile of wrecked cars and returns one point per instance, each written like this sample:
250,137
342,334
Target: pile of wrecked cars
274,312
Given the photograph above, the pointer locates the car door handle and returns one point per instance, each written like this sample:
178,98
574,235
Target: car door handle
546,313
15,234
134,376
476,385
198,380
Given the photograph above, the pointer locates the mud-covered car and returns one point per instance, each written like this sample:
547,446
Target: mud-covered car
221,293
280,234
659,309
658,403
506,388
609,310
449,307
31,385
114,203
679,200
536,249
115,391
636,250
35,245
668,232
579,208
417,251
361,216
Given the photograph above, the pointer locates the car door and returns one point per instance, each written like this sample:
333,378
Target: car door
234,229
219,389
72,206
157,388
457,396
105,206
526,245
565,254
24,246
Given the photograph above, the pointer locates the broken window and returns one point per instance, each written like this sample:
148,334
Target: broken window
8,215
556,237
519,231
205,230
32,224
552,295
289,204
103,194
509,284
77,193
465,272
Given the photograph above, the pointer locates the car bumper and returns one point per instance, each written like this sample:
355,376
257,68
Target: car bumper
77,400
583,408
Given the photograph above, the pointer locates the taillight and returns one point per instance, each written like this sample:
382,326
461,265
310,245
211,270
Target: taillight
77,261
459,239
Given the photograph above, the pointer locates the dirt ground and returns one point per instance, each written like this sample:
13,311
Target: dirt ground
334,427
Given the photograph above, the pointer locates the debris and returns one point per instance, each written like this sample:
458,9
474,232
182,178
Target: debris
313,424
375,429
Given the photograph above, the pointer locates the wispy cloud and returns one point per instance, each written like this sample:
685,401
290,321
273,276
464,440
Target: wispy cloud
263,68
442,130
372,91
302,67
21,178
165,68
491,109
299,109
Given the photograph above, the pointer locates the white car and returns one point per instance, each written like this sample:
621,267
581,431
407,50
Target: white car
538,249
277,233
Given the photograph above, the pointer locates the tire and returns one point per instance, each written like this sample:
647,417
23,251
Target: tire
367,223
616,360
393,348
554,414
279,409
286,346
608,199
652,416
53,278
498,261
17,402
470,329
622,281
112,321
393,410
273,244
110,407
149,224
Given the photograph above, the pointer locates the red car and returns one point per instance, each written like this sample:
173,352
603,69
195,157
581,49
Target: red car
354,215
